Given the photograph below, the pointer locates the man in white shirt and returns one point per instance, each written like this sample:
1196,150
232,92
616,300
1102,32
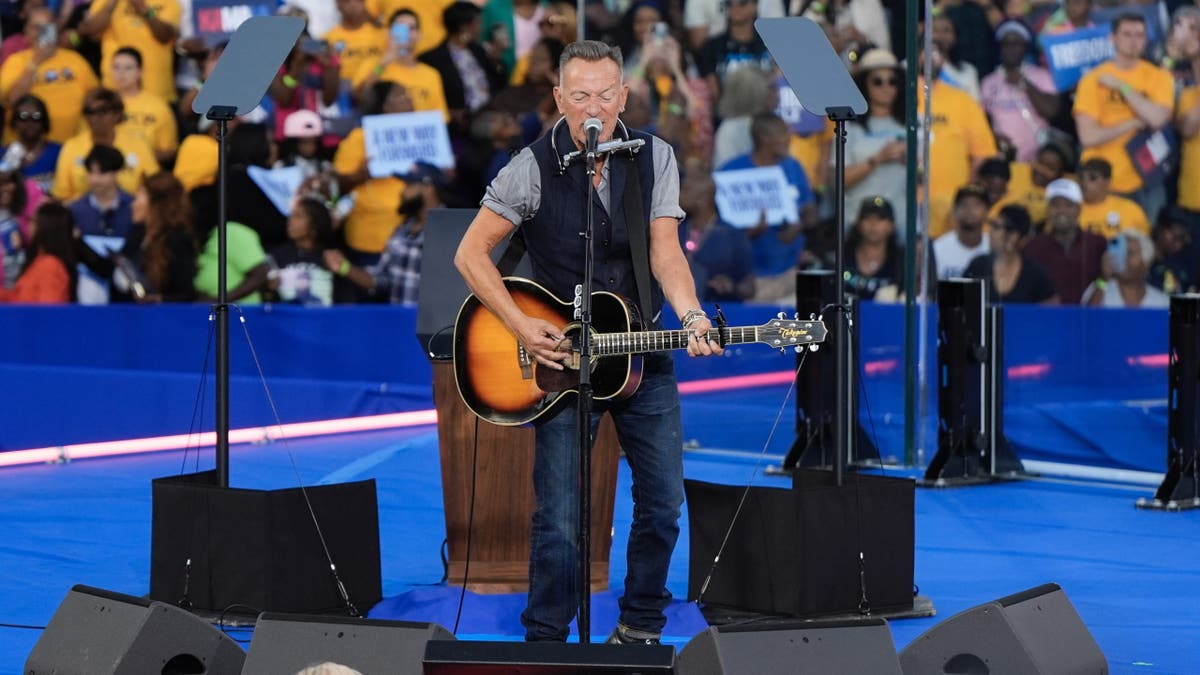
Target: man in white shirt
956,249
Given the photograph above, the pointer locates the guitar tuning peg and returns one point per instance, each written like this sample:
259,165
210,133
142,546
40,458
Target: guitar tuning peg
796,316
813,348
781,315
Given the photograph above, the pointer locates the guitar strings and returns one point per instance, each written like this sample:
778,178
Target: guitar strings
757,469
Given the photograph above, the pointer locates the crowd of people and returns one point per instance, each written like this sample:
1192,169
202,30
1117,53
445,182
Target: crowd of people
1054,187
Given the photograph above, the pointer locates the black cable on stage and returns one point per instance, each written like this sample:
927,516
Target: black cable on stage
341,587
462,595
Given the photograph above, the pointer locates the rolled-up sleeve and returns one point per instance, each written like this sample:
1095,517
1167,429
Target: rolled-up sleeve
664,202
516,192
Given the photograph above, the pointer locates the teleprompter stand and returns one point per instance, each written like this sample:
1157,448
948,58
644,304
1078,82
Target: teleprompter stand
813,446
972,447
832,544
1180,488
214,547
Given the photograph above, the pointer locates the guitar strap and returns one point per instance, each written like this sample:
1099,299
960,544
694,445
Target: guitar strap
639,237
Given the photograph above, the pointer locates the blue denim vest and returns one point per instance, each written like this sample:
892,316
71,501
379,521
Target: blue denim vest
552,234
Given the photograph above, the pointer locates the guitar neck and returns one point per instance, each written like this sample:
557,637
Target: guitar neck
612,344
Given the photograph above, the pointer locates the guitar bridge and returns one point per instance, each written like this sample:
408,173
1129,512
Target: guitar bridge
525,362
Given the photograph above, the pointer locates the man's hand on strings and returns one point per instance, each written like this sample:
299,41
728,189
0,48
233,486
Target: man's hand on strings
543,341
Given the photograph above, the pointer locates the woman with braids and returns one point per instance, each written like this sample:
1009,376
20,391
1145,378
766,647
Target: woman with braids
49,273
158,262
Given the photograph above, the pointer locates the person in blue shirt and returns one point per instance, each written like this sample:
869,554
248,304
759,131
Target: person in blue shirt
104,209
777,245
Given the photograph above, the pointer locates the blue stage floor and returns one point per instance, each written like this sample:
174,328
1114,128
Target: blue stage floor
1134,576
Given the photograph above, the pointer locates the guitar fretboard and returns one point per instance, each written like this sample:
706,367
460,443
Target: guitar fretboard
610,344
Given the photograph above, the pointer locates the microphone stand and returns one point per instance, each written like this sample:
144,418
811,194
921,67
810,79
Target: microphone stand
585,411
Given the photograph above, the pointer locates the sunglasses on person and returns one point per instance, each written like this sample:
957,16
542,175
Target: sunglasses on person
102,110
883,81
26,115
738,3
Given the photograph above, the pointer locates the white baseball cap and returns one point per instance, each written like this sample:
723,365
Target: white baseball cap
1065,188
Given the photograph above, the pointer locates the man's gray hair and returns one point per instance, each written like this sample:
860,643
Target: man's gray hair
591,51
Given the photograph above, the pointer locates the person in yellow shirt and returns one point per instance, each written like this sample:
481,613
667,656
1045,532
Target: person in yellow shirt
103,110
960,139
1187,121
356,39
399,64
812,151
150,26
1118,99
59,77
196,163
1102,212
375,213
146,113
428,13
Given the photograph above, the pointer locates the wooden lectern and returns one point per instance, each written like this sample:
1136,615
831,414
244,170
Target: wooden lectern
504,499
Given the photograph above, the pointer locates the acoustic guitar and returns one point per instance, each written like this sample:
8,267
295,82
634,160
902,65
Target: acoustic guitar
503,384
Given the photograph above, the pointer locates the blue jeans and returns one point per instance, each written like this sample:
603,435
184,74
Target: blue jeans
648,428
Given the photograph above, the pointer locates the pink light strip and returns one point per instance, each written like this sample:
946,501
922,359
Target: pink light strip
736,382
1028,371
208,439
1149,360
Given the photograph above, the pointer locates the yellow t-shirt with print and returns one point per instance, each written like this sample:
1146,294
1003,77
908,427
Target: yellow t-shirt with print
430,32
808,151
70,175
1189,156
61,82
1108,108
151,118
196,163
1125,214
376,202
1023,192
130,29
960,135
356,47
424,83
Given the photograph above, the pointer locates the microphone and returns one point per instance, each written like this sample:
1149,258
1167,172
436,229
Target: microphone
592,127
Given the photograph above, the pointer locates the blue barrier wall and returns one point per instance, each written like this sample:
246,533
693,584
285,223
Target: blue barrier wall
1085,385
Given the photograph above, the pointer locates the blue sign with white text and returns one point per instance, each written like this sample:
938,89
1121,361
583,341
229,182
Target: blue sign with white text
1070,55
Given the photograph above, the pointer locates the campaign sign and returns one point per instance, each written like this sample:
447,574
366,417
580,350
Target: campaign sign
791,111
279,185
743,195
216,20
1070,55
394,142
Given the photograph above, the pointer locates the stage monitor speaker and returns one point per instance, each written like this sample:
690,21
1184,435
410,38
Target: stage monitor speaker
797,552
288,643
1035,632
442,289
801,648
546,658
220,547
98,632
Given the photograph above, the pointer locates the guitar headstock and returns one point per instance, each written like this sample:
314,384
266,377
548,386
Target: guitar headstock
783,332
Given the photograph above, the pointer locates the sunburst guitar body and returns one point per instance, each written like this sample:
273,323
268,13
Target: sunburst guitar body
501,383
